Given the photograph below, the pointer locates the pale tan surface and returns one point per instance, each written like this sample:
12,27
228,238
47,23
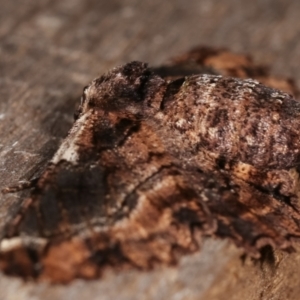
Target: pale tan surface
50,49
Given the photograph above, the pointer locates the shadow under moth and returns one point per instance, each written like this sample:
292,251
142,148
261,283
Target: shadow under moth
156,161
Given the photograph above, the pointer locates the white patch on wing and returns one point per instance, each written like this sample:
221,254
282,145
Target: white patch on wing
69,148
9,244
18,242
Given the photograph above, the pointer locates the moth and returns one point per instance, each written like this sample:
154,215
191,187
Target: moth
150,166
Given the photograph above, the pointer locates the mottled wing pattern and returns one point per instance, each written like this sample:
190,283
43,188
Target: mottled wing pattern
125,204
150,166
245,136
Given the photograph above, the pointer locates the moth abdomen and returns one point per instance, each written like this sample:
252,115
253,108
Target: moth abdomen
240,120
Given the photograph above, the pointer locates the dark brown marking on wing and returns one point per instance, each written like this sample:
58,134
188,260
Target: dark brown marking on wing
158,165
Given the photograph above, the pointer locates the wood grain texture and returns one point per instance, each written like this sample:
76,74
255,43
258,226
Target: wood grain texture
50,49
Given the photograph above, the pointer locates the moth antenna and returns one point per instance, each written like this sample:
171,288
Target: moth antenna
22,185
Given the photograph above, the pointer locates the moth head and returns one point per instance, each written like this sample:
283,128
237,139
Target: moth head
123,89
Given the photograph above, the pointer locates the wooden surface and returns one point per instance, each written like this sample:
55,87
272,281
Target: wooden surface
50,49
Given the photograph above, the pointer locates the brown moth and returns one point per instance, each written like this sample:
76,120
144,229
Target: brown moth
152,165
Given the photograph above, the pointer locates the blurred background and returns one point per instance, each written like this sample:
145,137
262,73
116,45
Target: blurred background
50,49
60,42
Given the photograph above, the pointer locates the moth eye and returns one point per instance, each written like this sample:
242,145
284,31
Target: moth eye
85,89
83,97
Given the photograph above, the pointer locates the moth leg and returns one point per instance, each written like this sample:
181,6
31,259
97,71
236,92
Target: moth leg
22,185
13,225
